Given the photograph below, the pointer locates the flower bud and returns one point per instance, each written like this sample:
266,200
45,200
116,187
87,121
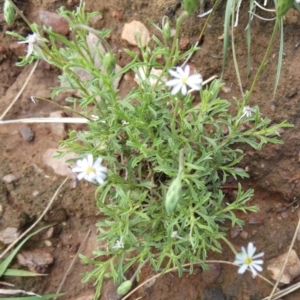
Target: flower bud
109,62
173,195
9,12
283,7
190,5
167,31
124,287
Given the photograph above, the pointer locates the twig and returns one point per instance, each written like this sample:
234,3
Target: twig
72,263
46,120
20,91
285,262
37,221
183,266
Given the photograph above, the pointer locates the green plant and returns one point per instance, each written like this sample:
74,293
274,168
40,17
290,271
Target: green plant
167,153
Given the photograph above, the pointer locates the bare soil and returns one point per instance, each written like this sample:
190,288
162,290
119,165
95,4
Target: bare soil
274,171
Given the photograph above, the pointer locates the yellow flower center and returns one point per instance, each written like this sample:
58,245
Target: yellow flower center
90,170
248,260
184,79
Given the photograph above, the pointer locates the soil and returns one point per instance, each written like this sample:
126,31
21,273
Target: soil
274,172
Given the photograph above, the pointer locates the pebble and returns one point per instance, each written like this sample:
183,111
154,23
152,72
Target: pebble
213,293
235,231
55,21
211,275
244,234
184,44
134,31
37,260
292,269
9,178
58,165
95,21
26,133
9,235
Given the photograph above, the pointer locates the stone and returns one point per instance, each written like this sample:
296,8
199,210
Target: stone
57,23
9,178
58,165
26,133
9,235
36,260
134,31
58,129
292,269
211,275
153,76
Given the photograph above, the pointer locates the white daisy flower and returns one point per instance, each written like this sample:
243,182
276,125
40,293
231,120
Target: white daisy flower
33,41
247,112
174,235
247,260
89,170
183,79
119,244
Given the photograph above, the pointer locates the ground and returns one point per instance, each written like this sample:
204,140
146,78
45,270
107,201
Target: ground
273,171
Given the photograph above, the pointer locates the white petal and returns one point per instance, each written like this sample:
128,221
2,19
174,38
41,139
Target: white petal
251,249
195,78
242,269
80,176
181,72
77,170
254,273
100,180
173,82
257,267
98,162
175,74
82,163
90,159
187,71
258,255
183,90
176,88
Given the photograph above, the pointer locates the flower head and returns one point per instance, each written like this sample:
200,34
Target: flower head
247,112
33,41
89,170
119,244
183,79
247,260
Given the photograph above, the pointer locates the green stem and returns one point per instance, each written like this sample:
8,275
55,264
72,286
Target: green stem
264,62
174,45
229,244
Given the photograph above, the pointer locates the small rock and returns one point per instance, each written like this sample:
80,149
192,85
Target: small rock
134,31
9,235
48,243
47,234
292,269
55,21
235,231
95,21
36,260
213,293
117,14
58,165
26,133
18,49
244,234
154,74
256,221
184,44
9,178
58,129
35,193
212,274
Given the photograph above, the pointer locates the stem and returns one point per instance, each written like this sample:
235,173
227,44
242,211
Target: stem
175,42
264,62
